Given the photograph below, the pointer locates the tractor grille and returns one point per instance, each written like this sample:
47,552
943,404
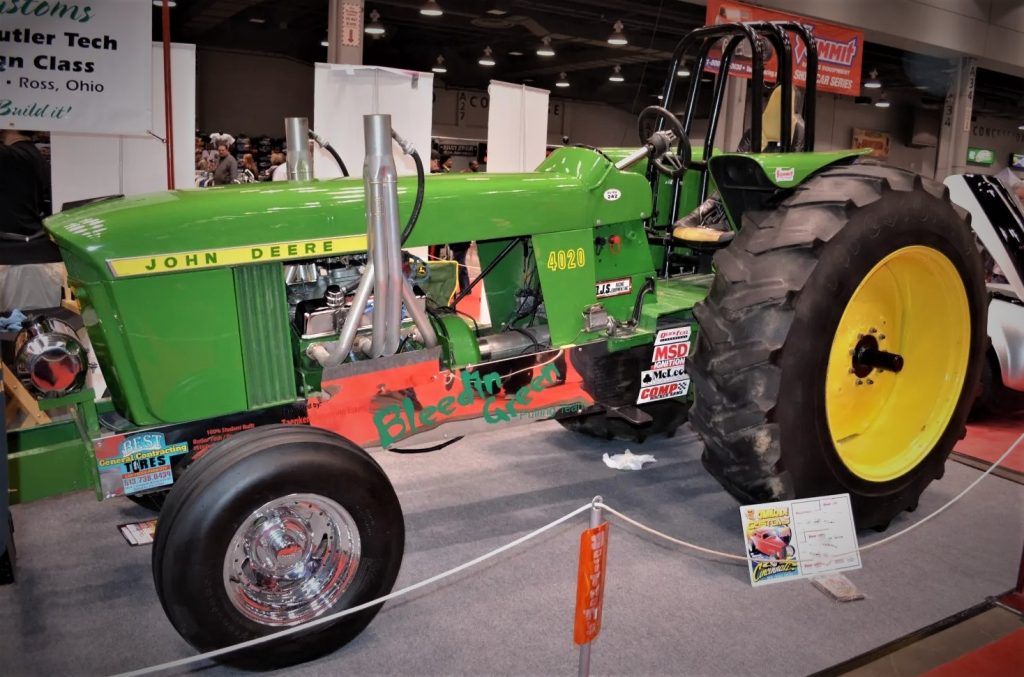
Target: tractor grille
263,326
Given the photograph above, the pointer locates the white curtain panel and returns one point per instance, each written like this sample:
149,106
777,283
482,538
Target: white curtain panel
342,95
517,127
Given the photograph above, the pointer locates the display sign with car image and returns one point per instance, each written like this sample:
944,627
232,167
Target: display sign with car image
981,156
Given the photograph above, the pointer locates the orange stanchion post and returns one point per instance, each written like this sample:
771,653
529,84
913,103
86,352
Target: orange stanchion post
590,584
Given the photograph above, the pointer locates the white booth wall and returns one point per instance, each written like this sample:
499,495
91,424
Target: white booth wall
94,165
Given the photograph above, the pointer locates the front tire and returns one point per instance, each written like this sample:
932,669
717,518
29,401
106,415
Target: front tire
272,528
859,260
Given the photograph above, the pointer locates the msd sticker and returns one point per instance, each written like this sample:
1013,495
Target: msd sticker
784,174
663,391
617,287
671,348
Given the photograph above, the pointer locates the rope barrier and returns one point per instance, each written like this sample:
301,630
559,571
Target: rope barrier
341,614
597,502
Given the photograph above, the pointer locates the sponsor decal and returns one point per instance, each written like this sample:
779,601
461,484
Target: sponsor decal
663,391
616,287
785,174
653,377
673,335
231,256
670,355
612,194
144,461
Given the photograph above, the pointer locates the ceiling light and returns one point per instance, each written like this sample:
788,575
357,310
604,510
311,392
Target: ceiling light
431,8
160,3
545,48
324,43
683,72
1021,127
486,59
618,38
873,82
661,97
439,66
923,88
375,27
563,80
496,11
616,75
883,102
515,53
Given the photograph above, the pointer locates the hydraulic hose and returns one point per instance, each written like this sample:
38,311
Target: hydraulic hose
326,145
418,204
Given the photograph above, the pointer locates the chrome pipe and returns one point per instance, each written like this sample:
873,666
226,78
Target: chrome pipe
418,315
336,353
299,158
380,177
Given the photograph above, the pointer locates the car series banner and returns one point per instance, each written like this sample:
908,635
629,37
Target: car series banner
76,66
840,49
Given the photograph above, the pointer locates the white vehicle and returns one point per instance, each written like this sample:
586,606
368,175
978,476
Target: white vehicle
998,221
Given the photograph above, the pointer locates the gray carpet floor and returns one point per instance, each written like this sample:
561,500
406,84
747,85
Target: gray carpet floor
85,605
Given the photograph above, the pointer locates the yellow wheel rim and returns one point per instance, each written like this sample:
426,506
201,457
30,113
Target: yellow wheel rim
911,308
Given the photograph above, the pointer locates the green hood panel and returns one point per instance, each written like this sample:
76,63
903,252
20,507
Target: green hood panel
232,225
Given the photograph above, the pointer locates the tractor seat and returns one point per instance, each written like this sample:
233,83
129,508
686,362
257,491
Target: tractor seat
701,237
705,227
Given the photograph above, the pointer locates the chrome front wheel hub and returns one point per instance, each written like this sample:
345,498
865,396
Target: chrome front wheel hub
291,559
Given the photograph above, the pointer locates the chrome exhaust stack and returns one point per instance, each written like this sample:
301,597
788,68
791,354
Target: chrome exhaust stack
299,159
383,276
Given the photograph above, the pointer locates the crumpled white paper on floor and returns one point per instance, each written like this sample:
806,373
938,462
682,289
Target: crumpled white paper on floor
628,460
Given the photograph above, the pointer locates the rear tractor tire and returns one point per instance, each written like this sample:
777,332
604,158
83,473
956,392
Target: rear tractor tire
274,527
841,344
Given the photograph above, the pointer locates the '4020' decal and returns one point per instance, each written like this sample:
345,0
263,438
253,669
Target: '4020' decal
566,259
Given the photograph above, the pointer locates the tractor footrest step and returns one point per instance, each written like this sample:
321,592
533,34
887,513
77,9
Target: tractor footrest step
631,413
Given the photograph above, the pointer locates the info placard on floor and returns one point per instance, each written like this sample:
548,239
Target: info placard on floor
789,540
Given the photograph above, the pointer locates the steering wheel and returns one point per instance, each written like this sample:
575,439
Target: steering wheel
671,164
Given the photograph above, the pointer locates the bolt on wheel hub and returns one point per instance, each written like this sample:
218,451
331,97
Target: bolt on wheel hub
291,559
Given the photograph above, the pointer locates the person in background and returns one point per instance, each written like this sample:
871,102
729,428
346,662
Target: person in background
435,162
227,167
31,274
248,170
474,167
446,165
276,160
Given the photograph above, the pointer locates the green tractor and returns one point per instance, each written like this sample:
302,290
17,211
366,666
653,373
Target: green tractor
824,334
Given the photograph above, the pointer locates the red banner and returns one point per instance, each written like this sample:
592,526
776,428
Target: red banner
840,49
590,583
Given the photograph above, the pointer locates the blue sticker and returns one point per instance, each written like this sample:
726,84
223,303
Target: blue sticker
144,461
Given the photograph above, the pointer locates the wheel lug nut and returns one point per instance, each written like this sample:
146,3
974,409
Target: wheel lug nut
859,382
870,382
881,337
872,330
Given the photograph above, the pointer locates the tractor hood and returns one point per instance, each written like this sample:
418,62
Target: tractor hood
191,229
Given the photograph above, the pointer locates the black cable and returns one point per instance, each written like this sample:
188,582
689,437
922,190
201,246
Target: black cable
418,204
337,158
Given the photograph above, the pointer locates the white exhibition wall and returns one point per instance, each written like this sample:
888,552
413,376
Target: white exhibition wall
343,94
517,127
93,165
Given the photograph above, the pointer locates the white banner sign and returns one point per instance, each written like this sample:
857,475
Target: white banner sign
76,66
